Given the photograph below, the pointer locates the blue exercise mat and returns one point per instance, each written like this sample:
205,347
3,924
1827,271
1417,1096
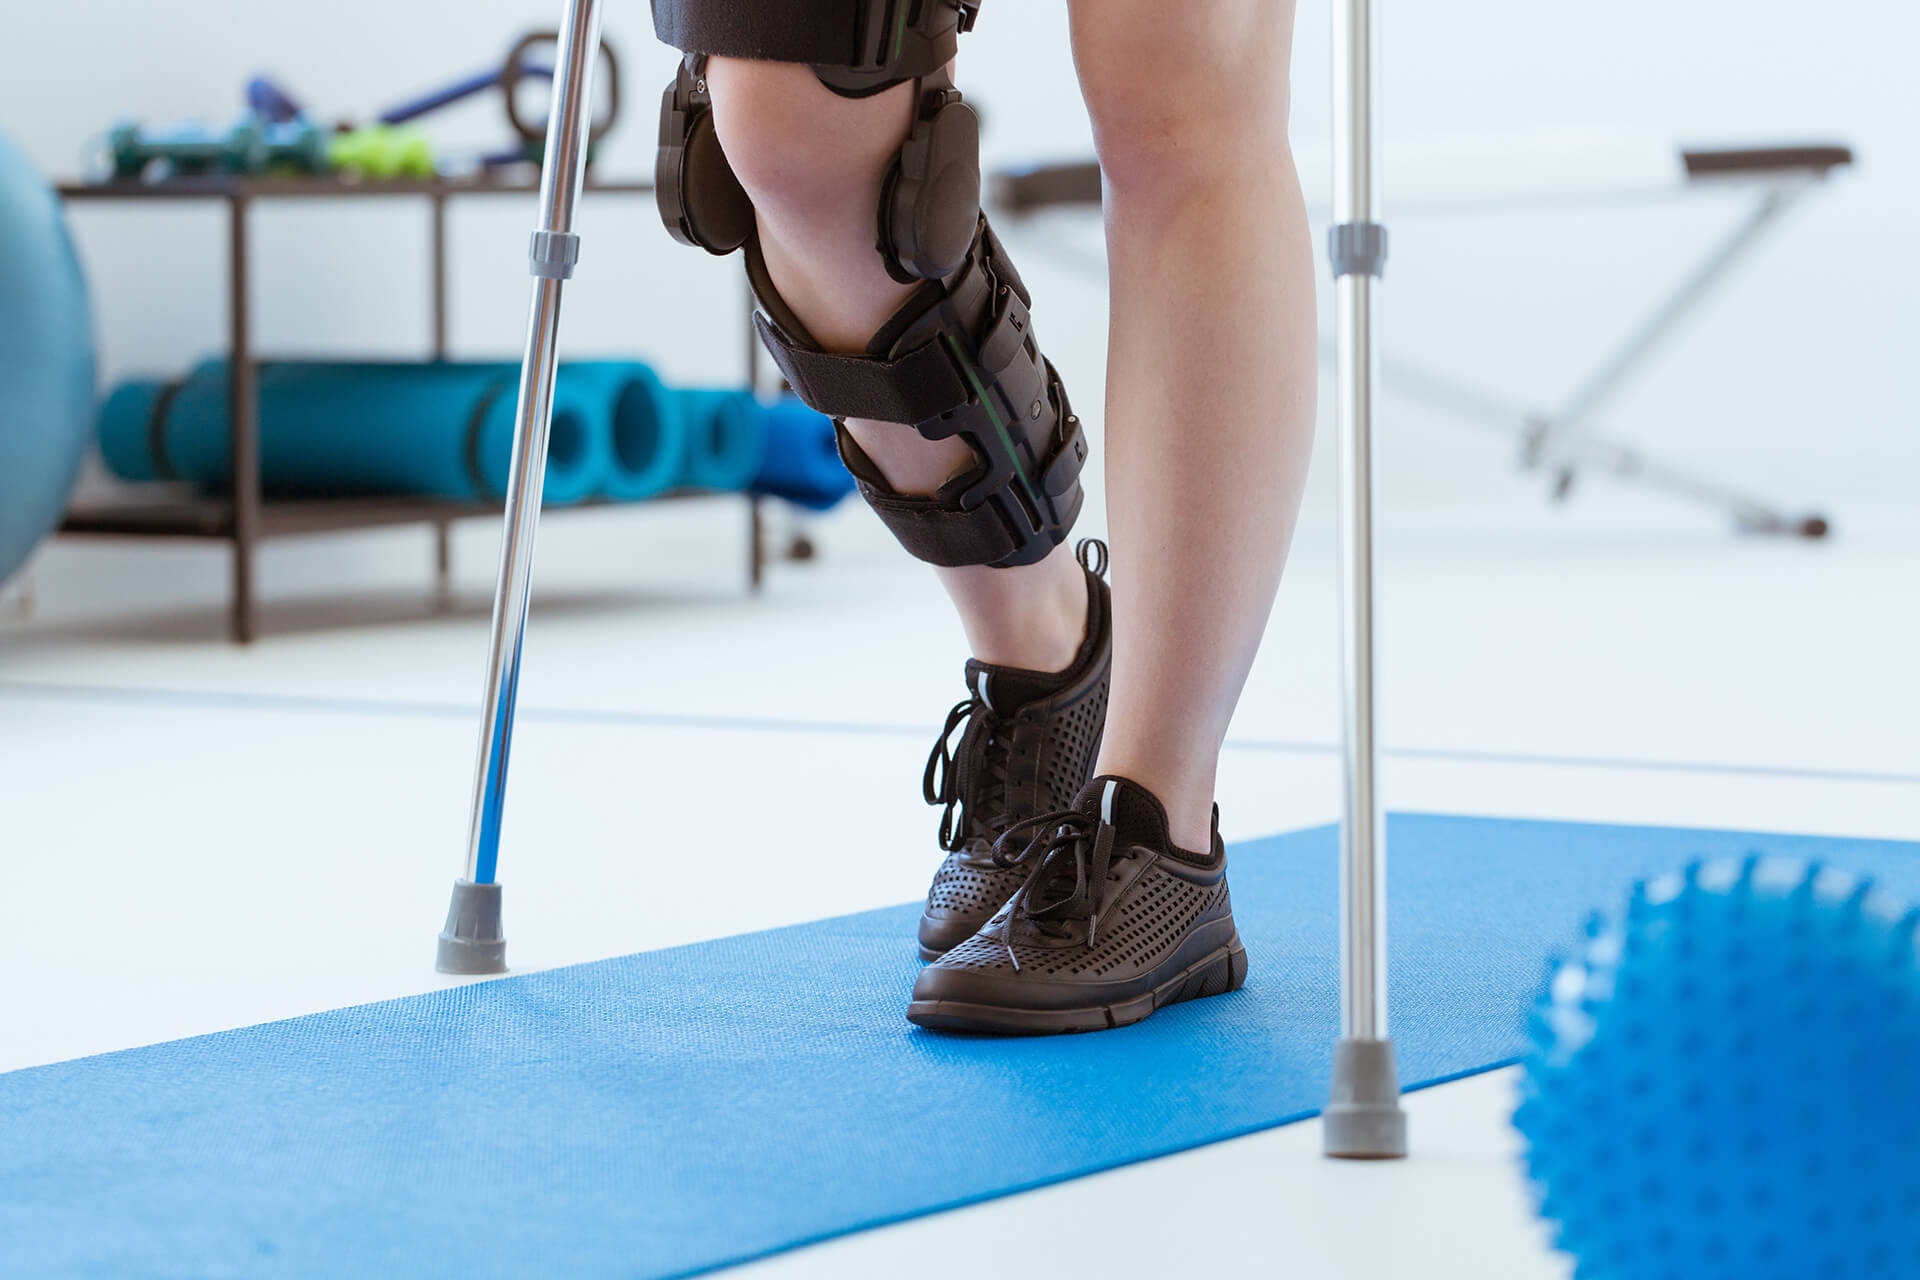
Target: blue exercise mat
673,1111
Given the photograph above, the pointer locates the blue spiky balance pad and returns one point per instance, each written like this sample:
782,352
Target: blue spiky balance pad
1725,1080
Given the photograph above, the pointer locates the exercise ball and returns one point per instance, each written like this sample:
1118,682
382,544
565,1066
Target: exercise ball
46,360
1725,1081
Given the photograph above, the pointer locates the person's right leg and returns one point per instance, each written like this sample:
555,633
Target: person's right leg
812,162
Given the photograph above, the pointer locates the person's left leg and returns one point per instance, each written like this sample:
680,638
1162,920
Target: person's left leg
889,304
1210,400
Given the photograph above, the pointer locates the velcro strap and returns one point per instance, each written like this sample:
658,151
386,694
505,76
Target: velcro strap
813,31
919,386
943,535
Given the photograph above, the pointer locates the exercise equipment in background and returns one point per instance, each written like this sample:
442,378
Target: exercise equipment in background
343,430
1723,1082
647,448
1516,173
46,360
380,151
250,146
384,152
279,135
799,461
529,61
443,429
725,440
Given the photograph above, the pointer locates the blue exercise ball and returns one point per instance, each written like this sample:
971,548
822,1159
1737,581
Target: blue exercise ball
46,360
1725,1081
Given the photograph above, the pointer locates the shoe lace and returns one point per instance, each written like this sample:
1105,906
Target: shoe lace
1071,853
969,778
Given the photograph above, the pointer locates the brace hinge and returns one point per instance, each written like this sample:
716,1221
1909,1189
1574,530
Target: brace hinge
553,254
1357,248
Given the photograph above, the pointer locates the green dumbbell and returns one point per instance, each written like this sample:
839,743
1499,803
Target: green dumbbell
184,149
248,147
299,146
383,151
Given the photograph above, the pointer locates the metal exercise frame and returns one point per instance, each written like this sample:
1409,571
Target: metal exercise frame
472,941
1363,1118
1565,443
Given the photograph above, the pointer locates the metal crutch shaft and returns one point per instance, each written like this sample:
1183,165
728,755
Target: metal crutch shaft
1363,1119
472,941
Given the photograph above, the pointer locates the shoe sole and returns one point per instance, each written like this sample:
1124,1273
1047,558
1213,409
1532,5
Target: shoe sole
1214,975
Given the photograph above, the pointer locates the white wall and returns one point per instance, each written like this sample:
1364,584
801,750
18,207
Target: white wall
1796,381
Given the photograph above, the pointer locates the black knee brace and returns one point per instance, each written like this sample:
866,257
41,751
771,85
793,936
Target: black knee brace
958,358
856,47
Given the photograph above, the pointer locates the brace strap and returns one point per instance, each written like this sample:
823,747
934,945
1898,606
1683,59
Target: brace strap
782,31
957,360
879,42
919,385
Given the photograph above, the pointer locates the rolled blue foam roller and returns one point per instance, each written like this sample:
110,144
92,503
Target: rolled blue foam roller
1724,1081
726,437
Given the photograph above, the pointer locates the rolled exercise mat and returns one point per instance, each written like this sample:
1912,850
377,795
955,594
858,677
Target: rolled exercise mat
578,444
726,438
800,462
647,449
125,426
440,429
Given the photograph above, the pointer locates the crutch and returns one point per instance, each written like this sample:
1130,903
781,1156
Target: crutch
1363,1119
472,941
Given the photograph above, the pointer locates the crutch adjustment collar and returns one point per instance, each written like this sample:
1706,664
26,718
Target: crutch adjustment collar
553,254
1357,248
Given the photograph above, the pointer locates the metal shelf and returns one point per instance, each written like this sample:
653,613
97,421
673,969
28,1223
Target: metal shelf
244,518
230,187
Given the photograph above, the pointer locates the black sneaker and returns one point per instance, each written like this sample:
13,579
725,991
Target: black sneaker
1028,746
1110,923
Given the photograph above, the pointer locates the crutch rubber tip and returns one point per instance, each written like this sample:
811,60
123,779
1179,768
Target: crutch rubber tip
1364,1120
472,941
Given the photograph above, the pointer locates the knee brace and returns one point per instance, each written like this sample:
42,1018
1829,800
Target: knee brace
958,358
856,47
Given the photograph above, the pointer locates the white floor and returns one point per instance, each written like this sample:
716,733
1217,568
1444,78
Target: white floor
199,837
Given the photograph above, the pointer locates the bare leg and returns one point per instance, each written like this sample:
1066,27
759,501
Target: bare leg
813,163
1210,384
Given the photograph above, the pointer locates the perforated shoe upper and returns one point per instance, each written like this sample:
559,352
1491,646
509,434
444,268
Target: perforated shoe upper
1027,745
1110,914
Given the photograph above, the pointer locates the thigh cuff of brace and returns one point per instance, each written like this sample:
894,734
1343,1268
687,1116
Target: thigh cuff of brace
881,42
774,30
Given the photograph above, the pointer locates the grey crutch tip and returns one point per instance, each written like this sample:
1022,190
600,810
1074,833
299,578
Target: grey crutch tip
472,941
1364,1120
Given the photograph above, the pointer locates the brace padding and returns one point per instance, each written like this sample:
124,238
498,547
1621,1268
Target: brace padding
856,47
822,31
958,359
